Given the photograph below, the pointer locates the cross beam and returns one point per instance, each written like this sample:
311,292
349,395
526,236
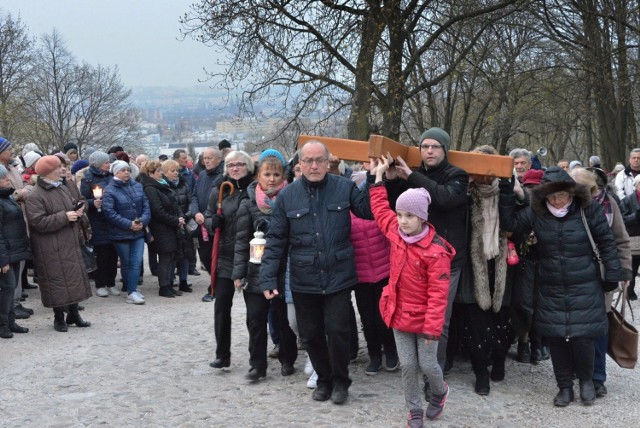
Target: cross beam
378,145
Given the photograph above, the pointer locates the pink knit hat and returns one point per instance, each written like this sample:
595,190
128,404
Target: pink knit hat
47,164
415,201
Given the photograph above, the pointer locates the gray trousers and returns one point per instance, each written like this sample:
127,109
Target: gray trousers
415,357
444,337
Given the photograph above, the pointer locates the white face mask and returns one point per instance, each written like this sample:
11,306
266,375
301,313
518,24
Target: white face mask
559,212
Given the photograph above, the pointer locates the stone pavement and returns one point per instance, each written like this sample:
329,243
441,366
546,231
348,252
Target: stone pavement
149,366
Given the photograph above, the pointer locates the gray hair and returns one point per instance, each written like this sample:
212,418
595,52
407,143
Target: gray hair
594,160
636,150
240,155
520,153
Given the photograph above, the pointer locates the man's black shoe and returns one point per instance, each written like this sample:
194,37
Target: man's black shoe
221,363
321,394
564,397
339,395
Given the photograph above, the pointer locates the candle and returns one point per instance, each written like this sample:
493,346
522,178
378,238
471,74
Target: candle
97,194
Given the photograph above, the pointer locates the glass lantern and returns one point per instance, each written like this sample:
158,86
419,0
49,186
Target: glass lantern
257,247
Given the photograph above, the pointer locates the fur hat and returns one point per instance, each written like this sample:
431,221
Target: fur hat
30,158
438,134
416,202
5,144
273,153
47,164
118,165
98,158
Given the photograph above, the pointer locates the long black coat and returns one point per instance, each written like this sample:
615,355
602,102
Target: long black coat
570,298
165,214
230,206
14,241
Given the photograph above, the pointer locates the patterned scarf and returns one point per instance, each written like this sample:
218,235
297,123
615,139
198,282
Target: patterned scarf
267,199
603,199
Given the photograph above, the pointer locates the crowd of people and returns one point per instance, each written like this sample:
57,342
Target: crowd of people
427,252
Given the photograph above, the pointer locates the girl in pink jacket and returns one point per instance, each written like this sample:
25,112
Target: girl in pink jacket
414,302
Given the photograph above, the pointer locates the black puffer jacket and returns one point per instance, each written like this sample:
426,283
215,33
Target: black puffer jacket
183,196
249,220
630,210
100,226
312,222
165,214
570,298
230,206
14,241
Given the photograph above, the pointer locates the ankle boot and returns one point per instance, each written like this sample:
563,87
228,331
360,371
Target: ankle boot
15,328
524,352
5,332
165,292
482,386
174,291
184,286
58,320
75,318
497,371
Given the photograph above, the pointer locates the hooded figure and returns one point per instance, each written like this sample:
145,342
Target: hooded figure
570,308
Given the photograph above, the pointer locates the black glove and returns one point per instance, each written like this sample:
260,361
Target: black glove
217,220
262,225
506,185
609,285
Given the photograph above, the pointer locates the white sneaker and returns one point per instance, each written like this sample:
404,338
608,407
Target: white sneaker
139,294
312,383
308,367
135,298
102,292
113,291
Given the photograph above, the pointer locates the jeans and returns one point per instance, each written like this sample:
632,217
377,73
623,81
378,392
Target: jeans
600,360
130,253
323,321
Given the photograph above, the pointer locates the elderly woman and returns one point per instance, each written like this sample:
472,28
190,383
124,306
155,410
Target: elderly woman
97,177
254,214
14,248
629,207
54,217
126,209
166,219
238,170
595,180
178,183
570,309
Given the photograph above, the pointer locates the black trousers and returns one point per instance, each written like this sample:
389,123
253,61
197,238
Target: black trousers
574,356
257,311
204,251
376,333
8,282
165,269
323,320
288,352
107,261
635,263
222,316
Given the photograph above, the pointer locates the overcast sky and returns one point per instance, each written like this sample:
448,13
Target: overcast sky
141,37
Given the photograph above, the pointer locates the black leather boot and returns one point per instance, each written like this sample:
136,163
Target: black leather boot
587,392
165,292
482,386
184,286
524,353
564,397
59,323
75,318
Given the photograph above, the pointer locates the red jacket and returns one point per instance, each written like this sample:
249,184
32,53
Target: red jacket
415,300
371,250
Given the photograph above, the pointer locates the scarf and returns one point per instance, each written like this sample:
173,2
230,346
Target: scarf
489,198
415,238
559,212
481,223
267,199
53,183
603,199
163,182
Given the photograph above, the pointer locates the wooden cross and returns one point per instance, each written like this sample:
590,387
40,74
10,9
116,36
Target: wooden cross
378,145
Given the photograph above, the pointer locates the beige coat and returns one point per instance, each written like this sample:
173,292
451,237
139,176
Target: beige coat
62,276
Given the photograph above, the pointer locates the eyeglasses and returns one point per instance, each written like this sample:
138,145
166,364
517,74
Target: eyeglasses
430,146
236,165
318,161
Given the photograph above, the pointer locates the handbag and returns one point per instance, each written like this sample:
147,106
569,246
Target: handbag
88,254
623,337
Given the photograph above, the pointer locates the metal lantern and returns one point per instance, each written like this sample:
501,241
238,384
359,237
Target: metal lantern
257,245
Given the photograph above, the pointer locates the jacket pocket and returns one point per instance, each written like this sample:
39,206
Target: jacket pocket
297,213
339,206
302,259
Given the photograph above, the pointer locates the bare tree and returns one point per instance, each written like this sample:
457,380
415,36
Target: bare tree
319,59
16,55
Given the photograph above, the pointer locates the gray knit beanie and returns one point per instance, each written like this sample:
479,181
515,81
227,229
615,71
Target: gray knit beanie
438,134
415,201
98,158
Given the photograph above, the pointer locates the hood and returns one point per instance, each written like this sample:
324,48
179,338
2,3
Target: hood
555,179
